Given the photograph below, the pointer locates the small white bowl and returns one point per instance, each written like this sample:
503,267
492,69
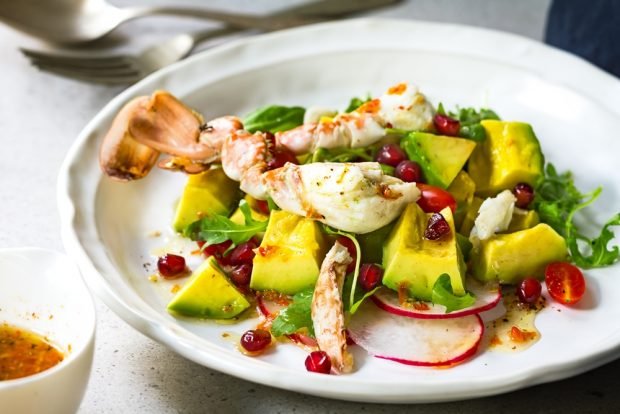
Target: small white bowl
42,291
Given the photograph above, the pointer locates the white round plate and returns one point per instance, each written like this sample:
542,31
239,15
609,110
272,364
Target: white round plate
575,110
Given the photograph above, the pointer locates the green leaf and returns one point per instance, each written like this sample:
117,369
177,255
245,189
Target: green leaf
355,103
274,118
557,200
341,155
295,316
442,294
358,258
470,121
216,228
359,295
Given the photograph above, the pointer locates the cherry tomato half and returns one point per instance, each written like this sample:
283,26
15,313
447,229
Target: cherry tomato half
565,282
434,199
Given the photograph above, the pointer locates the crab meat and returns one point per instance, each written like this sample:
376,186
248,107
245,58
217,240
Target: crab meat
327,309
494,216
354,197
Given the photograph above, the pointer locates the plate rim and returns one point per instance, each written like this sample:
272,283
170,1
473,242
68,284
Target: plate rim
180,341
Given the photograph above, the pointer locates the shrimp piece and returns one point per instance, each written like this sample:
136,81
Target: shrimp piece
327,309
244,159
354,197
401,107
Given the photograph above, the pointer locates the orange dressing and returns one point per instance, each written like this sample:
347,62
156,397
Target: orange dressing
24,353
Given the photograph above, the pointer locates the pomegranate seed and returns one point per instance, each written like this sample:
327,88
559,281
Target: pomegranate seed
390,154
371,276
216,250
255,340
263,207
524,193
171,266
437,227
279,157
243,253
270,140
409,171
529,290
319,361
348,243
446,125
241,275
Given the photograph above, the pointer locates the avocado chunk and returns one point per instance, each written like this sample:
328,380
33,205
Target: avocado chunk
522,220
441,157
512,257
469,218
511,154
462,189
415,263
289,257
209,192
208,294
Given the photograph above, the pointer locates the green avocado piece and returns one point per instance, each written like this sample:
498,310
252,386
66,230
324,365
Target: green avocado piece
522,220
441,157
511,154
290,255
415,263
512,257
209,192
471,212
208,294
462,189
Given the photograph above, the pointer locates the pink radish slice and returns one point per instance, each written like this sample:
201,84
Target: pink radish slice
270,309
415,341
487,297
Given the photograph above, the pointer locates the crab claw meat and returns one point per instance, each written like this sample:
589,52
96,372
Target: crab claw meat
354,197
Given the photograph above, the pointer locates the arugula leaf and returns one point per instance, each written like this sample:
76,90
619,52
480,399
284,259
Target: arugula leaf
470,121
557,200
358,259
295,316
355,103
442,294
274,118
340,155
359,295
216,228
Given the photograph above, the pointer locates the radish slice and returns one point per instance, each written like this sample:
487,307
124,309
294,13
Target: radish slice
487,297
268,308
414,341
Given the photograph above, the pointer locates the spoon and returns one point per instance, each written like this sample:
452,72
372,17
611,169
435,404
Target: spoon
80,21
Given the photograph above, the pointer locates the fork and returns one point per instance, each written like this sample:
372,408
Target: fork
123,68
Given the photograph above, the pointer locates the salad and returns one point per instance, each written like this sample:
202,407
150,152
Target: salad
393,225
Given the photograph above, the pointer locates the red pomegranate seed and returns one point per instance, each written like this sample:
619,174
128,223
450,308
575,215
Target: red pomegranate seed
255,340
446,125
524,193
171,266
243,253
263,207
348,243
529,290
279,157
370,277
216,250
241,275
409,171
319,361
437,227
390,154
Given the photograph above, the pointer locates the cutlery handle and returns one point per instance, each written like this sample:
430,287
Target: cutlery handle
243,21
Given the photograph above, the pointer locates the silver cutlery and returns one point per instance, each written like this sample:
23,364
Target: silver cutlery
129,68
80,21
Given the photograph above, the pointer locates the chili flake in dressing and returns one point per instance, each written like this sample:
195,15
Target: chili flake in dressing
24,353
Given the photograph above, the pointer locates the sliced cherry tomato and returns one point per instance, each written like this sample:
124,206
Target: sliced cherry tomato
565,282
434,199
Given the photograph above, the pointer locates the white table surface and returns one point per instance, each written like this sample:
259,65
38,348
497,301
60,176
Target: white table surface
40,116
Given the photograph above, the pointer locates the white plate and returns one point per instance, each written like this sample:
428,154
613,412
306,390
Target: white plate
573,107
